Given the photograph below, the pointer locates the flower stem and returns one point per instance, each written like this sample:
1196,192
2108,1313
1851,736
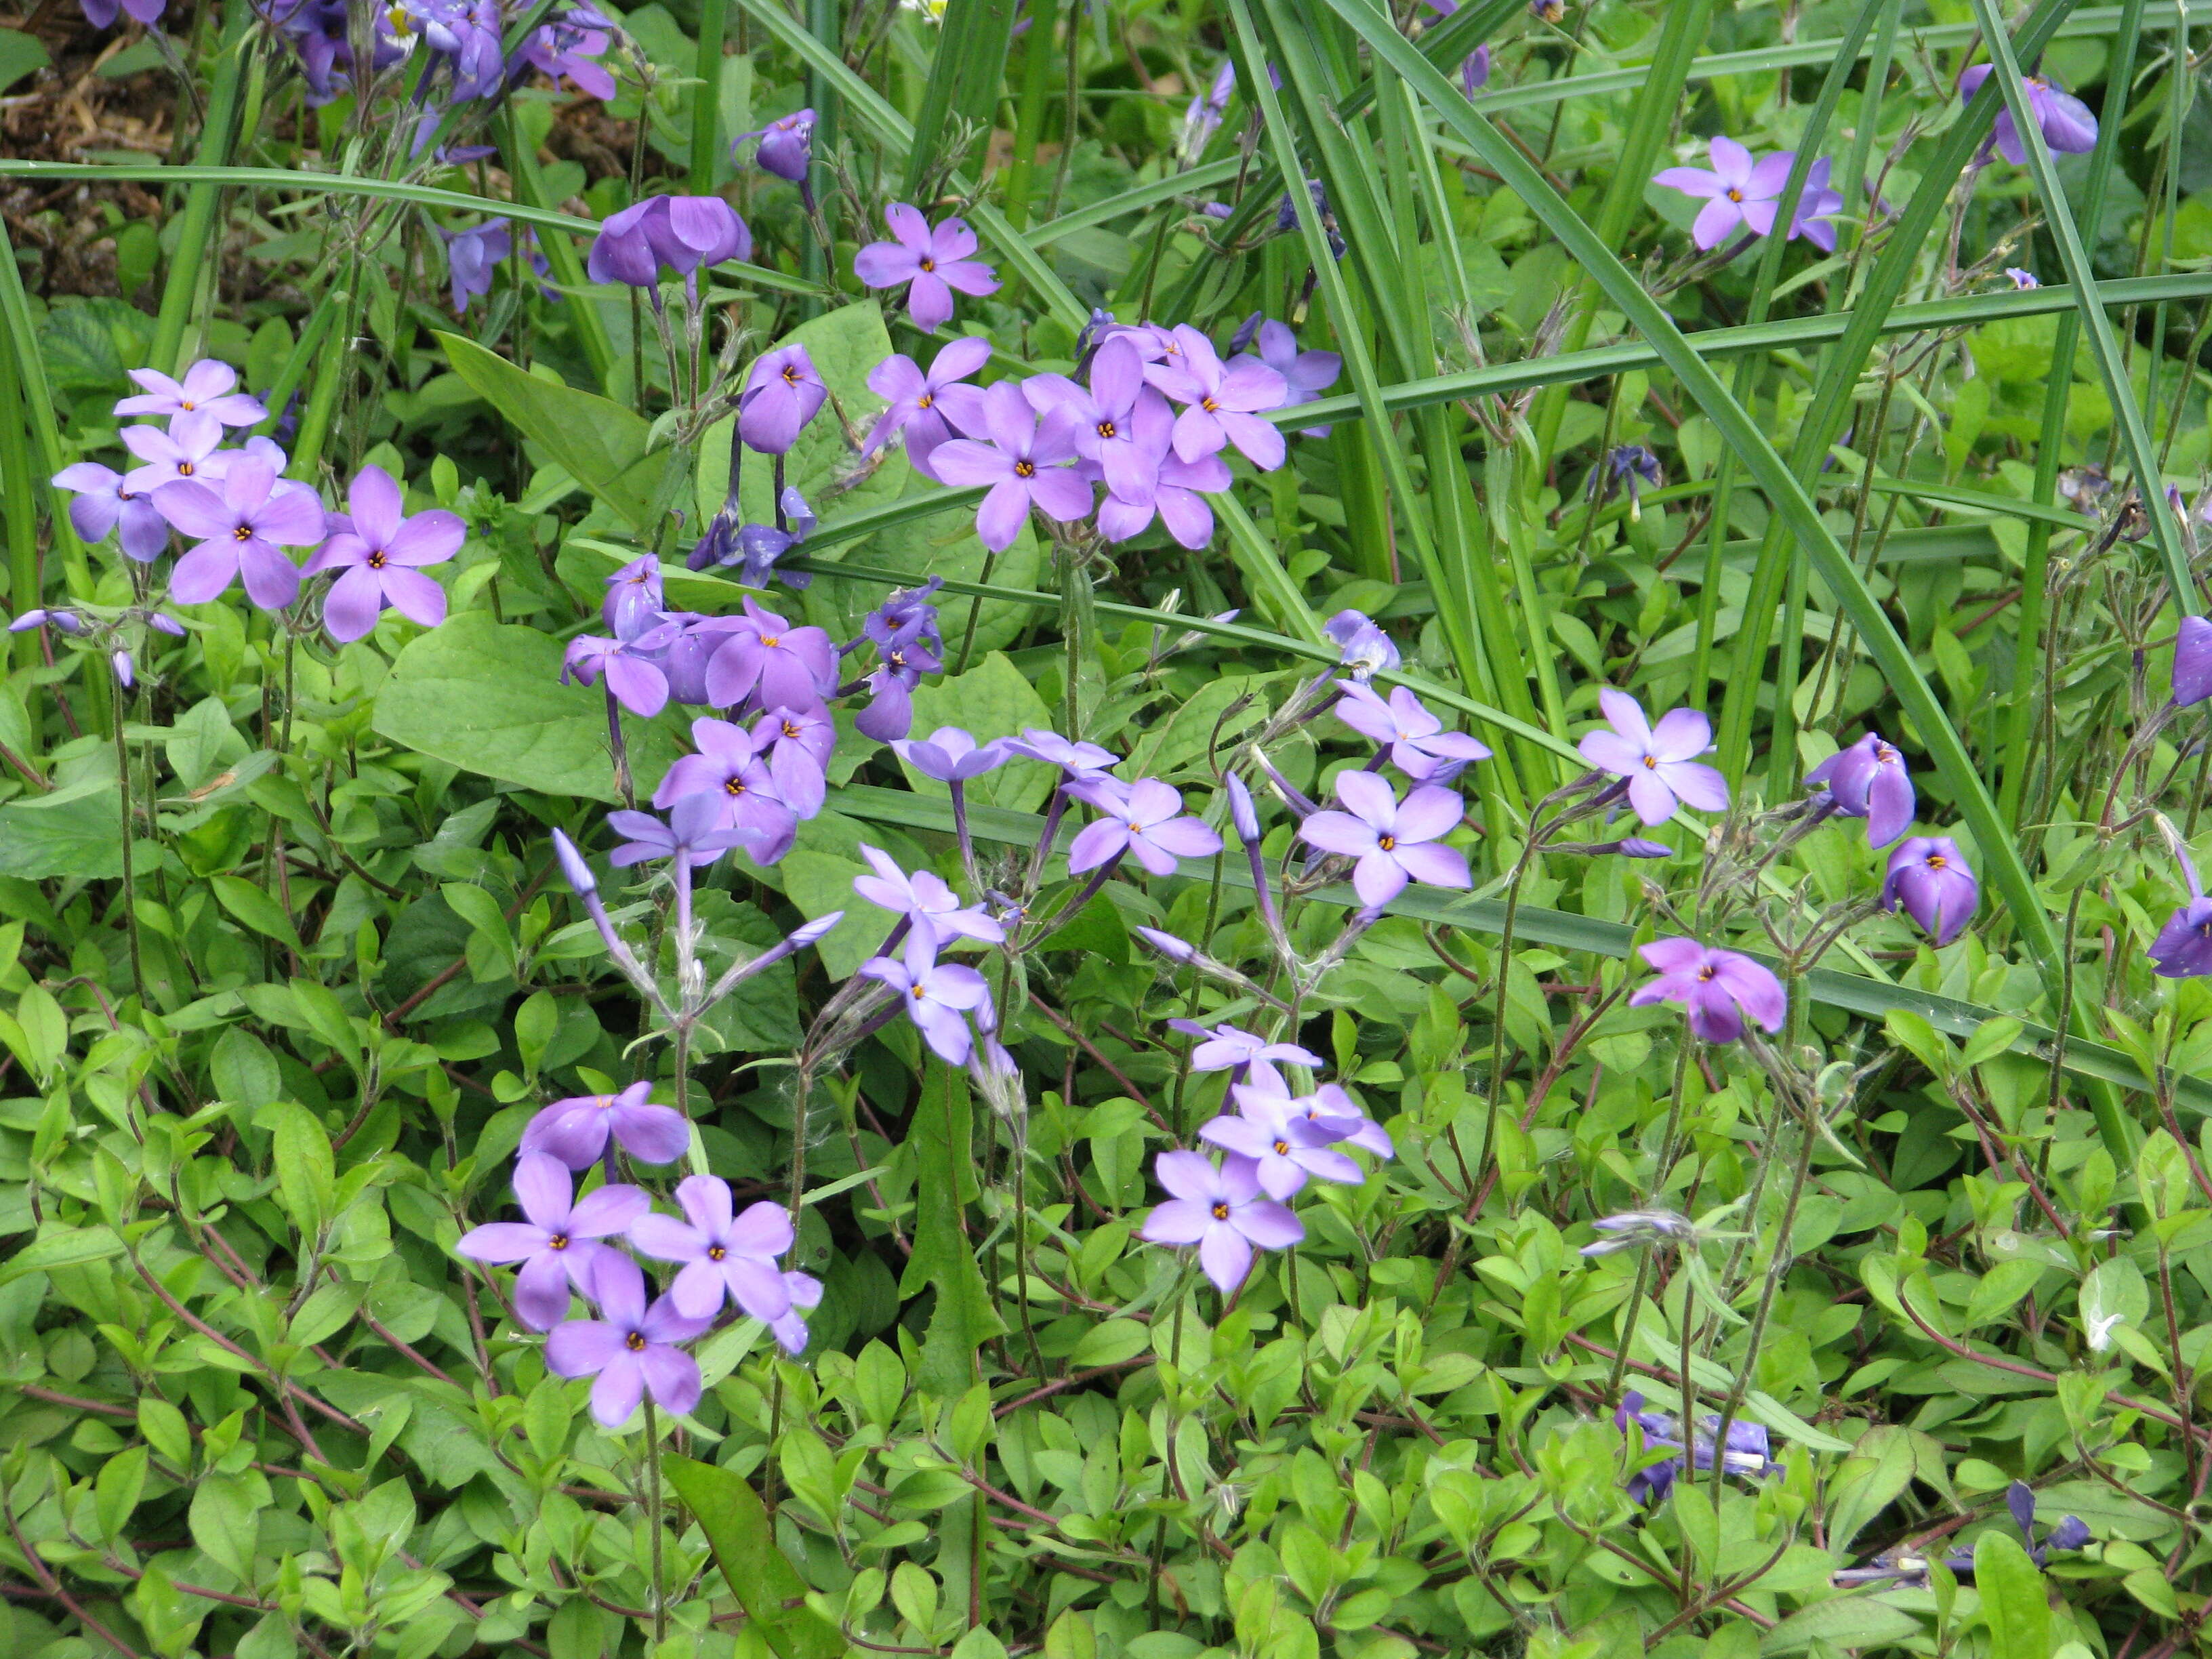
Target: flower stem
652,1521
122,700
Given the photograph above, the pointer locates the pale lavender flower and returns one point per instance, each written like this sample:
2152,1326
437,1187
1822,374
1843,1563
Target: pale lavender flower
1143,819
2067,124
1658,761
1023,465
379,552
698,831
1366,650
1285,1149
190,448
1221,1211
2021,279
1305,374
924,902
1394,841
634,679
1931,881
576,1130
1334,1112
951,755
635,598
930,409
1717,989
730,771
106,501
472,257
207,388
1228,1048
1418,746
1081,762
726,1256
559,1243
1172,489
1221,404
932,262
242,532
633,1352
1633,1228
938,995
1739,192
768,658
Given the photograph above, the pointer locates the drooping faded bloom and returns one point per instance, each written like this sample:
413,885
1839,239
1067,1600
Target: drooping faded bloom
379,552
558,1243
681,232
633,1351
1222,1211
1633,1227
1930,880
1366,650
1748,1452
1868,781
1658,761
472,258
576,1130
2067,125
1717,988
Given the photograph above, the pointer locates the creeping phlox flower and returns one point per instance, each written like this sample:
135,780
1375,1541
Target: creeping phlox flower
576,1130
1414,739
909,643
928,408
1868,781
1930,880
938,995
680,233
2192,662
1143,820
1658,763
1365,650
1221,1209
1285,1145
379,552
558,1244
1026,463
1739,192
1717,988
2067,125
1748,1451
932,262
1393,841
633,1353
786,146
1907,1569
2183,948
242,531
1227,1049
1633,1229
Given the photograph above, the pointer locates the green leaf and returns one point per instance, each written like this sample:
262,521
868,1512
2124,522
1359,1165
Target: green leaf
75,831
257,909
1868,1482
306,1168
2013,1598
943,1261
20,54
993,699
60,1246
1846,1621
120,1484
601,444
487,698
743,1538
226,1520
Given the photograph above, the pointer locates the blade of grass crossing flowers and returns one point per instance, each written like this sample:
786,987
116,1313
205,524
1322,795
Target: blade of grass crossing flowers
20,334
2103,345
870,105
706,97
1836,384
202,200
963,78
2035,573
1787,496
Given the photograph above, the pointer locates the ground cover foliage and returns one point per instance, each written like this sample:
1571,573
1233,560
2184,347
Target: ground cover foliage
1235,828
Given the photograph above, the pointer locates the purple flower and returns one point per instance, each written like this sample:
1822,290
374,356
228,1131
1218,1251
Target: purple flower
126,672
1474,70
906,616
697,831
68,621
1172,489
634,679
1868,781
2192,661
1024,464
683,232
798,743
242,533
1081,762
1201,118
1337,1115
1657,761
106,500
1365,649
933,909
1221,404
574,870
938,995
1930,878
929,409
575,1130
207,386
889,713
634,599
1220,1211
472,256
1748,1451
951,755
1305,374
1284,1149
767,657
1143,819
787,145
2067,125
1629,465
726,1256
729,771
1419,746
559,1243
932,261
566,47
2021,279
190,448
1717,989
783,393
1226,1048
1739,191
1395,842
2183,948
1108,431
379,553
101,13
632,1352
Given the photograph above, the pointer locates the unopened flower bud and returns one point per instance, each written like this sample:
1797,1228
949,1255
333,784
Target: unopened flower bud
573,867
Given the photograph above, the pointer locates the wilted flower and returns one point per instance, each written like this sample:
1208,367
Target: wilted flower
635,598
932,262
634,679
1221,1211
1657,761
1717,989
2067,125
787,145
632,1352
1908,1569
1868,781
1748,1451
1633,1227
575,1130
1629,466
683,232
2021,279
558,1244
1930,880
1366,649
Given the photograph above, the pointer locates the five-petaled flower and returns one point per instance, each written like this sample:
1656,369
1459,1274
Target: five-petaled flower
1868,781
632,1351
559,1243
1659,762
932,263
1144,820
2066,122
576,1130
243,533
726,1256
1394,841
379,552
1222,1211
1717,989
938,995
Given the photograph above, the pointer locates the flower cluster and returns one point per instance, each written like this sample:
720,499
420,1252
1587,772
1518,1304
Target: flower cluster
241,513
1928,876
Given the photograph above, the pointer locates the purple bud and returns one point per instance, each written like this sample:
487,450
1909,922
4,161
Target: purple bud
1167,945
28,619
1242,337
1635,847
806,935
1241,811
124,674
578,873
162,622
786,146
